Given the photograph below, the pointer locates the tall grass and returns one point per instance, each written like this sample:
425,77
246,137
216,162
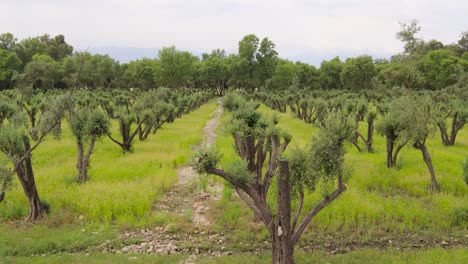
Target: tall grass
122,187
378,198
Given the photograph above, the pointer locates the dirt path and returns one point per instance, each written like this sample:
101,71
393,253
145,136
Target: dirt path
192,194
187,207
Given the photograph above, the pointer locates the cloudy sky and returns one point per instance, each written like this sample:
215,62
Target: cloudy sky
302,30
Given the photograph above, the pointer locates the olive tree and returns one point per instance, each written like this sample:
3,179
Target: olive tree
418,130
15,143
450,109
392,125
260,146
139,116
87,126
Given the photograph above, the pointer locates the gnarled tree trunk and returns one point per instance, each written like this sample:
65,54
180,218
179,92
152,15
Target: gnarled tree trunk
282,245
83,160
26,176
427,159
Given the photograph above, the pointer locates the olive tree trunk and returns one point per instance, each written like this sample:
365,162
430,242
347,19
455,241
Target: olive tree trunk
427,159
82,163
26,176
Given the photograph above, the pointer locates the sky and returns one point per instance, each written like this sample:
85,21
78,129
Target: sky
309,31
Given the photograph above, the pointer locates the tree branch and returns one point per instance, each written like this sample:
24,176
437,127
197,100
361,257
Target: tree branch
299,209
312,213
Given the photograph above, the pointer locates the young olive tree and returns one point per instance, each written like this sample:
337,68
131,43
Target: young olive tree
146,114
16,145
418,130
127,119
260,146
157,110
88,126
450,110
393,123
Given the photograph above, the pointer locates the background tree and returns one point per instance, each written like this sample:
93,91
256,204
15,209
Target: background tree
330,74
27,48
440,69
463,41
10,65
215,70
267,58
407,35
7,41
357,73
175,68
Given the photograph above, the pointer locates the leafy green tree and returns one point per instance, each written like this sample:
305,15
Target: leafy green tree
98,70
407,35
405,74
248,47
330,74
139,74
27,48
58,49
10,65
307,76
7,41
440,69
357,73
41,72
267,58
284,76
215,70
252,174
175,68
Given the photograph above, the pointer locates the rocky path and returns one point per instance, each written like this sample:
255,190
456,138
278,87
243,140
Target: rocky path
187,206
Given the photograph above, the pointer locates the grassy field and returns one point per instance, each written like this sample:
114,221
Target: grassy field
123,188
378,200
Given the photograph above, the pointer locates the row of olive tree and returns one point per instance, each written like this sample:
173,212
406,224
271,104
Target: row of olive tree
28,117
402,116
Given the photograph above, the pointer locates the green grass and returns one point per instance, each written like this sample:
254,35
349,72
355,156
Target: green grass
96,258
433,256
122,187
380,199
359,257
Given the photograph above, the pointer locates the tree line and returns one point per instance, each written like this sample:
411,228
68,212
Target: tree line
49,62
